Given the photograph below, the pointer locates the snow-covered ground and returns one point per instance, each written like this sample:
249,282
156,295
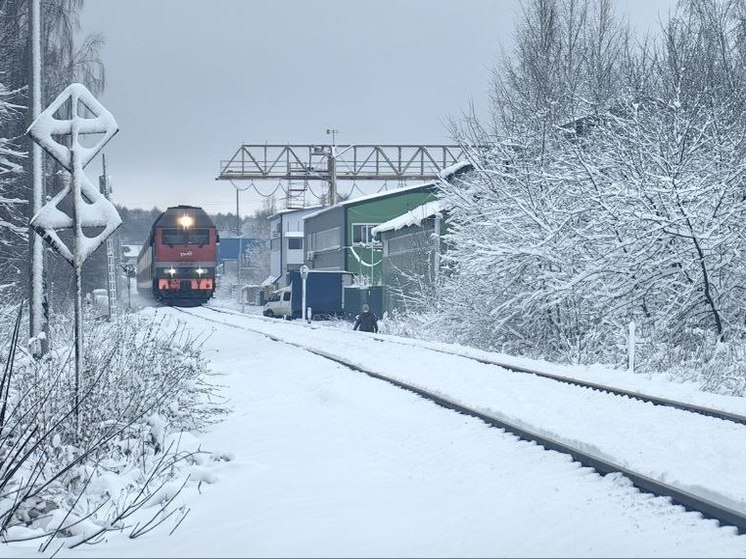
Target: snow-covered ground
328,462
666,444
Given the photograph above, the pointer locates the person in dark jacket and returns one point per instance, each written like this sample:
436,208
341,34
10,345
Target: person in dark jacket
366,321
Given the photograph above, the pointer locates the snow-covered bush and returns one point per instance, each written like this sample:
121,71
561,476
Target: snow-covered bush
557,242
76,476
608,187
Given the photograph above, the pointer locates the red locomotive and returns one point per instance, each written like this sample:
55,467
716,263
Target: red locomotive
177,262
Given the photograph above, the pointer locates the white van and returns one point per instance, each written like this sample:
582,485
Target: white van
279,303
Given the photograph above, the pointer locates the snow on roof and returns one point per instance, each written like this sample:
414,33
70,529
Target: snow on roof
270,280
317,212
412,217
294,210
294,234
453,169
373,196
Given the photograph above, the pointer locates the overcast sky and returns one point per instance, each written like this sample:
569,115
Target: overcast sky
189,81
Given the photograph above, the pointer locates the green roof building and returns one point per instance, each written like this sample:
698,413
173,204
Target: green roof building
340,237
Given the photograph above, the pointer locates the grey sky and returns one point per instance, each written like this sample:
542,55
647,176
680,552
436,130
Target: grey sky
189,80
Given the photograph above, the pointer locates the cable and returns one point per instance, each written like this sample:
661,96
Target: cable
350,192
270,195
239,188
317,196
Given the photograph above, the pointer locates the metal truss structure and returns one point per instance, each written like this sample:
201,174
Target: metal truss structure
332,162
299,164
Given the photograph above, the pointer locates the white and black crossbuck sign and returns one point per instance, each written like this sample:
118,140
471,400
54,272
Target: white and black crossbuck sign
90,208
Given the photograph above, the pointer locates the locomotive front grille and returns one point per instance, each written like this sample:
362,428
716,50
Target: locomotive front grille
202,284
185,272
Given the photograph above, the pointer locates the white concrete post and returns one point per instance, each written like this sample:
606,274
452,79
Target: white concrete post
37,318
304,277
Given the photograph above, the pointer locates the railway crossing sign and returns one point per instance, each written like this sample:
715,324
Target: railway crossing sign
90,208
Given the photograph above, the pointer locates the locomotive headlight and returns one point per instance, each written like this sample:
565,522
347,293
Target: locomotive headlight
200,271
171,271
186,221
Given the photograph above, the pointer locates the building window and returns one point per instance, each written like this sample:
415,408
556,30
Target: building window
418,241
295,244
362,233
274,245
324,240
402,244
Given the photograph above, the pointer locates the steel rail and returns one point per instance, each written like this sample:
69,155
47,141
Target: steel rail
656,400
690,501
640,396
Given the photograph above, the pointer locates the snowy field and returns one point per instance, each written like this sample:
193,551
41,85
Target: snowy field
325,462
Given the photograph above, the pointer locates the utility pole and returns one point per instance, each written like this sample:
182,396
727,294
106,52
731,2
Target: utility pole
238,239
333,167
238,217
111,284
37,318
238,233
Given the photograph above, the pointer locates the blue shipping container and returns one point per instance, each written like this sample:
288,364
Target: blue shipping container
323,292
230,247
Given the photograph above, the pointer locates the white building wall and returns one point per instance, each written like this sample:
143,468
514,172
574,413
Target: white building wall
295,256
293,228
275,243
284,226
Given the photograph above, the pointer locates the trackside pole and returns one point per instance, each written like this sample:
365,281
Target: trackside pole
78,346
631,347
37,314
77,170
304,277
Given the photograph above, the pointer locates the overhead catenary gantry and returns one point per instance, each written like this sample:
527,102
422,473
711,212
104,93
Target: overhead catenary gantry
332,163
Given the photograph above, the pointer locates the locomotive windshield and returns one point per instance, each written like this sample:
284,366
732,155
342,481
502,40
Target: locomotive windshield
198,237
174,237
182,237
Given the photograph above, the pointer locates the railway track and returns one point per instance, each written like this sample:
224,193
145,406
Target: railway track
708,508
655,400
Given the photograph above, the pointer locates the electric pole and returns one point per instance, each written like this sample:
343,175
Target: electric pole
37,314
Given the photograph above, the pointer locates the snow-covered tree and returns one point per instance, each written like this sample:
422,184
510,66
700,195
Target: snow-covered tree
616,197
65,60
13,232
566,64
673,185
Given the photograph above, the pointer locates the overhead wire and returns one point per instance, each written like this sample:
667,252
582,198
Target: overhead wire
317,196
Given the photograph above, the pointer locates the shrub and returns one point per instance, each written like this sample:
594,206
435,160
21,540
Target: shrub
78,475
